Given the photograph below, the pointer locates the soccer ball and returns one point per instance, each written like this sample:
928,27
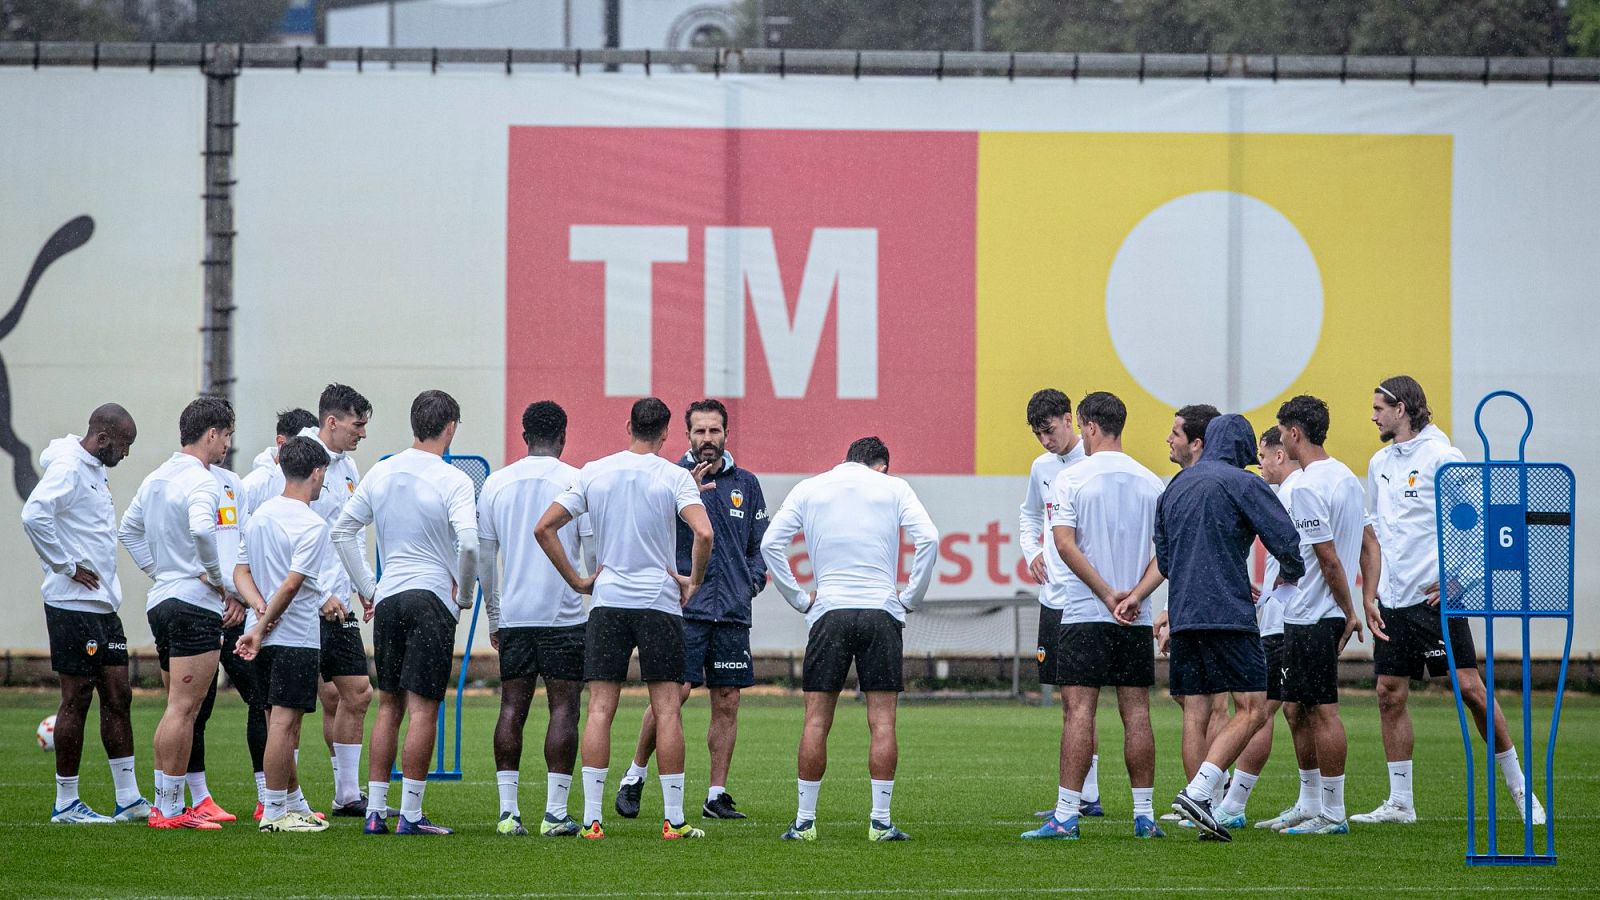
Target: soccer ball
47,734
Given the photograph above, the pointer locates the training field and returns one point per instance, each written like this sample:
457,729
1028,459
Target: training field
970,774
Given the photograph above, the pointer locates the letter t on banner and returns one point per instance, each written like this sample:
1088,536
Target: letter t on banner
628,252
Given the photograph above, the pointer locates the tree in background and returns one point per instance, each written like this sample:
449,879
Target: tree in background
1583,30
230,21
64,20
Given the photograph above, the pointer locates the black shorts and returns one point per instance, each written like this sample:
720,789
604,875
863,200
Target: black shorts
1213,661
612,635
556,652
1415,648
183,629
717,655
1105,654
1311,662
413,643
342,651
243,674
289,675
83,643
871,638
1049,636
1272,645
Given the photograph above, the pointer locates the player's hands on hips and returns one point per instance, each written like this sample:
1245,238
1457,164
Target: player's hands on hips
1375,622
332,610
585,585
249,644
213,586
86,577
232,611
1352,626
686,589
1038,571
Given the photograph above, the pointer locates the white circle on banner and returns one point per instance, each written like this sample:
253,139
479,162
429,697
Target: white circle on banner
1167,300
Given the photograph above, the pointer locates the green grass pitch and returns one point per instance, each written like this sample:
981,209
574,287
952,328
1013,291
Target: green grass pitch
970,774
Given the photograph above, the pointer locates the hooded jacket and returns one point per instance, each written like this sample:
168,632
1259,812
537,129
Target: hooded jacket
1206,521
736,571
1400,508
71,520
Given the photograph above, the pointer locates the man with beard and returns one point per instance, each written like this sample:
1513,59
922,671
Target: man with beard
716,623
72,523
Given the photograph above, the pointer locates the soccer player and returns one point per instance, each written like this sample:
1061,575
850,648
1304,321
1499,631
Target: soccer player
852,516
633,498
170,531
231,519
1102,516
258,482
1326,504
716,623
1050,419
428,528
71,521
286,550
1281,472
1401,541
1206,522
536,621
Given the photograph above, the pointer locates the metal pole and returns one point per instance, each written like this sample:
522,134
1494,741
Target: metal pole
222,69
613,28
977,25
761,24
566,24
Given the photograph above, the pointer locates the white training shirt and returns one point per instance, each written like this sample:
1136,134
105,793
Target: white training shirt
422,506
338,486
71,520
284,536
530,592
1326,505
1110,501
170,530
1044,474
1400,507
633,501
1274,600
852,516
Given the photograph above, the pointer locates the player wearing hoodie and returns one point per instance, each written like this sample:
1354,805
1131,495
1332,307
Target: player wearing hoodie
71,521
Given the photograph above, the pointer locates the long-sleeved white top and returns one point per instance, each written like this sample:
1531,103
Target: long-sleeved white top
852,516
71,521
1042,479
170,530
338,486
1401,494
232,516
427,523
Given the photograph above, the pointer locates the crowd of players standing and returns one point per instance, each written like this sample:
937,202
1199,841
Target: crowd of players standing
263,575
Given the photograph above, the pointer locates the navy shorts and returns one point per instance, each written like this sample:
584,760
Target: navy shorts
716,654
1212,661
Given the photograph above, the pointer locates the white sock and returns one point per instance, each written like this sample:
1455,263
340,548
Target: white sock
66,791
378,798
594,790
261,788
274,804
125,776
1333,797
411,799
715,791
556,788
1238,793
1067,803
1205,783
1400,783
672,797
506,780
333,763
169,794
198,792
297,802
882,795
636,774
807,811
1310,791
1143,803
1510,770
1091,781
346,773
297,759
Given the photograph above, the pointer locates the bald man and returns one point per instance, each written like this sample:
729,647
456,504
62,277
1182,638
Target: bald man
72,523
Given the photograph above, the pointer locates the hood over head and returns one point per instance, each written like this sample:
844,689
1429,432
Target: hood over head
1230,440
